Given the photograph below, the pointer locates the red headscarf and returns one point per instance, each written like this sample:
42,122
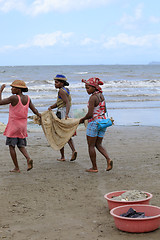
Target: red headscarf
95,82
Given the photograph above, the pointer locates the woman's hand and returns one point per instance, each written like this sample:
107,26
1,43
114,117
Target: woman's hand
81,121
66,117
2,87
52,106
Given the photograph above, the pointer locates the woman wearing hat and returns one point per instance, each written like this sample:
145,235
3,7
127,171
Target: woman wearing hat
96,112
16,129
63,106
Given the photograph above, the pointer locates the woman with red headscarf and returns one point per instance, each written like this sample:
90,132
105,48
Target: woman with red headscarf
96,112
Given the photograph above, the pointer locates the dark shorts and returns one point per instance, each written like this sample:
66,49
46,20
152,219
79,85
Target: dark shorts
58,114
20,142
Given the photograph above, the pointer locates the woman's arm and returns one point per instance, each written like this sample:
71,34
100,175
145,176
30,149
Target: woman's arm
12,99
64,97
91,106
34,110
53,106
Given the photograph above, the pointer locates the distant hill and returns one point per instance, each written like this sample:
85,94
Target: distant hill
154,63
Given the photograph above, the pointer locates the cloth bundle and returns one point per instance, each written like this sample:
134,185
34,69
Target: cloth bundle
131,213
57,131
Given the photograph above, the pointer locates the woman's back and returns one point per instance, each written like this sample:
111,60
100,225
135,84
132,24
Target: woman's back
17,123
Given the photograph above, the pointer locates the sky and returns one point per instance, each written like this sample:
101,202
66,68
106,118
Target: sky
79,32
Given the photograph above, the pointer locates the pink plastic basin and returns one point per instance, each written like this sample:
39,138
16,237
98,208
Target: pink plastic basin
116,203
137,225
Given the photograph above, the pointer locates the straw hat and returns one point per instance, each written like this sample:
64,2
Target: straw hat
61,78
20,84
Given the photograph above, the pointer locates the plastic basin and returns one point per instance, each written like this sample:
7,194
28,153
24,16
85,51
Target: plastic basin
137,225
116,203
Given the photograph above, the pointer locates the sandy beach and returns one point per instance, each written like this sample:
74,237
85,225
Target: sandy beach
60,201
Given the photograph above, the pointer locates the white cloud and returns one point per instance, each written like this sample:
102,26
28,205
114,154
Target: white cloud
138,12
43,6
8,5
5,48
43,40
129,22
59,38
154,19
126,40
88,41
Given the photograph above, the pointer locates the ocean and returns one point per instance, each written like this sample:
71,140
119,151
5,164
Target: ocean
132,92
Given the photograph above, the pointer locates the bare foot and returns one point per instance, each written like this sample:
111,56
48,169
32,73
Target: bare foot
15,170
74,156
30,165
110,166
92,170
61,159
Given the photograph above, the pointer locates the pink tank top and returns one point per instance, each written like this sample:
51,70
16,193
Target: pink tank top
17,122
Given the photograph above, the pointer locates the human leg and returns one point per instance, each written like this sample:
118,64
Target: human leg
103,151
91,140
92,153
26,155
62,155
14,158
74,153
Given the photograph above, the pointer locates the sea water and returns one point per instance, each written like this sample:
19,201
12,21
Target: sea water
132,92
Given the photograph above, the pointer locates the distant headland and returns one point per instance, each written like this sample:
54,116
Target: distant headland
154,63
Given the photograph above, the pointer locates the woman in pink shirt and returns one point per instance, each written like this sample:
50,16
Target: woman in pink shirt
16,129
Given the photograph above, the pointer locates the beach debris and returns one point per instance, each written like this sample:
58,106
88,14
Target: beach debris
131,195
112,120
5,226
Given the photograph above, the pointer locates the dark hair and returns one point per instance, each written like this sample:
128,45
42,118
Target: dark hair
64,82
22,89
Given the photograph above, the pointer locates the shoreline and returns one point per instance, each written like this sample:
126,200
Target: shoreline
59,200
34,128
150,120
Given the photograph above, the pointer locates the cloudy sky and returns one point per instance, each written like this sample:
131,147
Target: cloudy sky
64,32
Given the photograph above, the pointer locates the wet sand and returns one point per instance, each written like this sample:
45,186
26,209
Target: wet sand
60,201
